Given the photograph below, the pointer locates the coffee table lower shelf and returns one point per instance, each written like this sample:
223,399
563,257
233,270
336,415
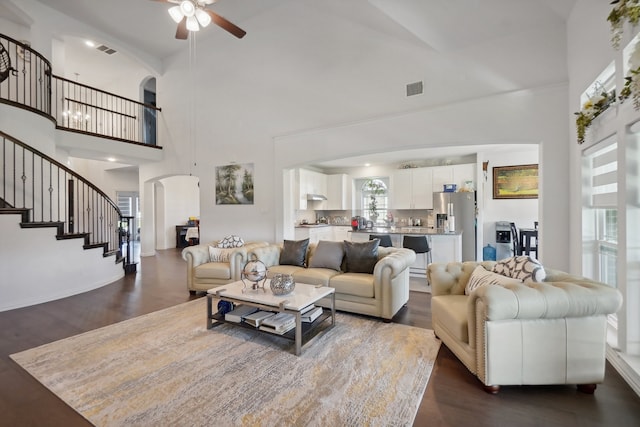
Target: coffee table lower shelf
301,334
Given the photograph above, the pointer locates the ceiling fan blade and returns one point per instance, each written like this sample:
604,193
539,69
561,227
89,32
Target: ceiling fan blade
223,23
182,33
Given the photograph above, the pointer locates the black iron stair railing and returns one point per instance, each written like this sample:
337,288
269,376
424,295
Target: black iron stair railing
49,194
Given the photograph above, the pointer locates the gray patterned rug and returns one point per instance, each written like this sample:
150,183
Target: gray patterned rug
165,368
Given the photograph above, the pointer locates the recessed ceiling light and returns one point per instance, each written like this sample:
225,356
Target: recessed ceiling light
111,159
90,43
367,164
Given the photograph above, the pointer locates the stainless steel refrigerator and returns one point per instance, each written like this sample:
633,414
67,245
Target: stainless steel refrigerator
463,207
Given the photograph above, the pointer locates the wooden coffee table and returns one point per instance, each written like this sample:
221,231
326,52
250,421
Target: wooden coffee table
303,296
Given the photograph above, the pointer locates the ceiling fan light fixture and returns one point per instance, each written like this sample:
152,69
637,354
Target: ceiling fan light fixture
176,14
203,17
192,23
188,8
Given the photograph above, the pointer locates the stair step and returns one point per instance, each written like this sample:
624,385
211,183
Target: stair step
24,212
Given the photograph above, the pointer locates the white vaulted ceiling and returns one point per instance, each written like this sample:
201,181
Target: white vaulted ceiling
342,61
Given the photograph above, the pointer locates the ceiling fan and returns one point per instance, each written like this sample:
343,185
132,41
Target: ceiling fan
190,15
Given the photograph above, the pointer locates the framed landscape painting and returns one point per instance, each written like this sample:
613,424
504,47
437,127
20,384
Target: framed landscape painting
234,184
515,182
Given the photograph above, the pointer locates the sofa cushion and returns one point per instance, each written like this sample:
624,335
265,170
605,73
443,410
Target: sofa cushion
294,252
220,254
480,277
231,241
213,270
283,269
315,276
451,313
358,284
328,254
521,267
361,257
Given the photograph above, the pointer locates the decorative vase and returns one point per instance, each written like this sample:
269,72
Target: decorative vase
282,284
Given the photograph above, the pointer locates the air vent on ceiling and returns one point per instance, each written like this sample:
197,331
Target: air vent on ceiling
106,49
414,88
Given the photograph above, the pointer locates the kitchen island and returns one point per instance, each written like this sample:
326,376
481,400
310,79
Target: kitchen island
445,246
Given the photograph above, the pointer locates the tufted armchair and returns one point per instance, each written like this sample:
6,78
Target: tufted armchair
202,274
551,332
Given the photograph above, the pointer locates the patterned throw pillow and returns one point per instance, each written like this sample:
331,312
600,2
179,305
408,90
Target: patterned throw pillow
219,254
480,277
520,267
231,242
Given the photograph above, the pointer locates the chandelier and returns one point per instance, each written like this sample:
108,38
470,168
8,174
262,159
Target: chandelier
194,11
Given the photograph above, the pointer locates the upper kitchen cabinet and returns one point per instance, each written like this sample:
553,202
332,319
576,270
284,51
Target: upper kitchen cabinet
412,189
338,192
454,174
310,185
441,175
464,173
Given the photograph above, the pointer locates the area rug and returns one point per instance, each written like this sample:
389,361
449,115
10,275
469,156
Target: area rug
166,368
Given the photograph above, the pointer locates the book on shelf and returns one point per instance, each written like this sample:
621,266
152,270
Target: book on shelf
312,315
307,309
239,313
255,319
279,323
278,331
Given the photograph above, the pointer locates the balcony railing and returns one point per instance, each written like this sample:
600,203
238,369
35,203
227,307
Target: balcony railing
26,82
81,108
25,77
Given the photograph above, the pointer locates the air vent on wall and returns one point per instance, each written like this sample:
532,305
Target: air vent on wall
414,88
106,49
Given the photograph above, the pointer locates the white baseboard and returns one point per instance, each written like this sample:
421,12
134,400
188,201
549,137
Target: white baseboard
627,367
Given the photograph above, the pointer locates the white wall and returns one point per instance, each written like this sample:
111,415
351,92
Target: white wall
180,200
47,268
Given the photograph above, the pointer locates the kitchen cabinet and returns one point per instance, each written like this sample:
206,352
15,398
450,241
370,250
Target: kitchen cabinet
446,247
341,232
310,182
314,234
463,173
338,192
441,175
412,189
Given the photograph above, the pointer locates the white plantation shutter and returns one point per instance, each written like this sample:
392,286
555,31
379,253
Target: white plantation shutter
603,165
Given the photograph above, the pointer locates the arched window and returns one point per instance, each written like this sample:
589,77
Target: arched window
375,200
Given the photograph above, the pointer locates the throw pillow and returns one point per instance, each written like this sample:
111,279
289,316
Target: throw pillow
294,252
328,255
480,277
520,267
361,257
220,254
231,242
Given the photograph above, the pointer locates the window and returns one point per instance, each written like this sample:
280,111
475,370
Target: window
375,200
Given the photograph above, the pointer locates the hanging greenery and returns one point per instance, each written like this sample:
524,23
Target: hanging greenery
623,11
592,108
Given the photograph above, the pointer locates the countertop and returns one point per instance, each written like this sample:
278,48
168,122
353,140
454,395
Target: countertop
321,225
407,230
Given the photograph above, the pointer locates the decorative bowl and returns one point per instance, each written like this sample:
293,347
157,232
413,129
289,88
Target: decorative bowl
282,284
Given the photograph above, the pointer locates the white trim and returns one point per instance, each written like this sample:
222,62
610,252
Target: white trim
620,362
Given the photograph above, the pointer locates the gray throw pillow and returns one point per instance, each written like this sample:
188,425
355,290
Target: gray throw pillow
328,255
361,256
294,252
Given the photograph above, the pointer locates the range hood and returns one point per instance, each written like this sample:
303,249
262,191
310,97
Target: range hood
316,197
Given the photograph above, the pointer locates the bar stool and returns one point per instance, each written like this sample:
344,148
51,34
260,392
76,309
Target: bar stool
419,245
385,239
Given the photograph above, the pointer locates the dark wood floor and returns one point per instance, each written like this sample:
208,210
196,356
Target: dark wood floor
453,397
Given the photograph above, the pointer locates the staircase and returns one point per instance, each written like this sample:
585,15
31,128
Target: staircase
45,193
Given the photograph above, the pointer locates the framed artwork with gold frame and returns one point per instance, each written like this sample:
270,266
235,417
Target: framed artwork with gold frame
515,182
